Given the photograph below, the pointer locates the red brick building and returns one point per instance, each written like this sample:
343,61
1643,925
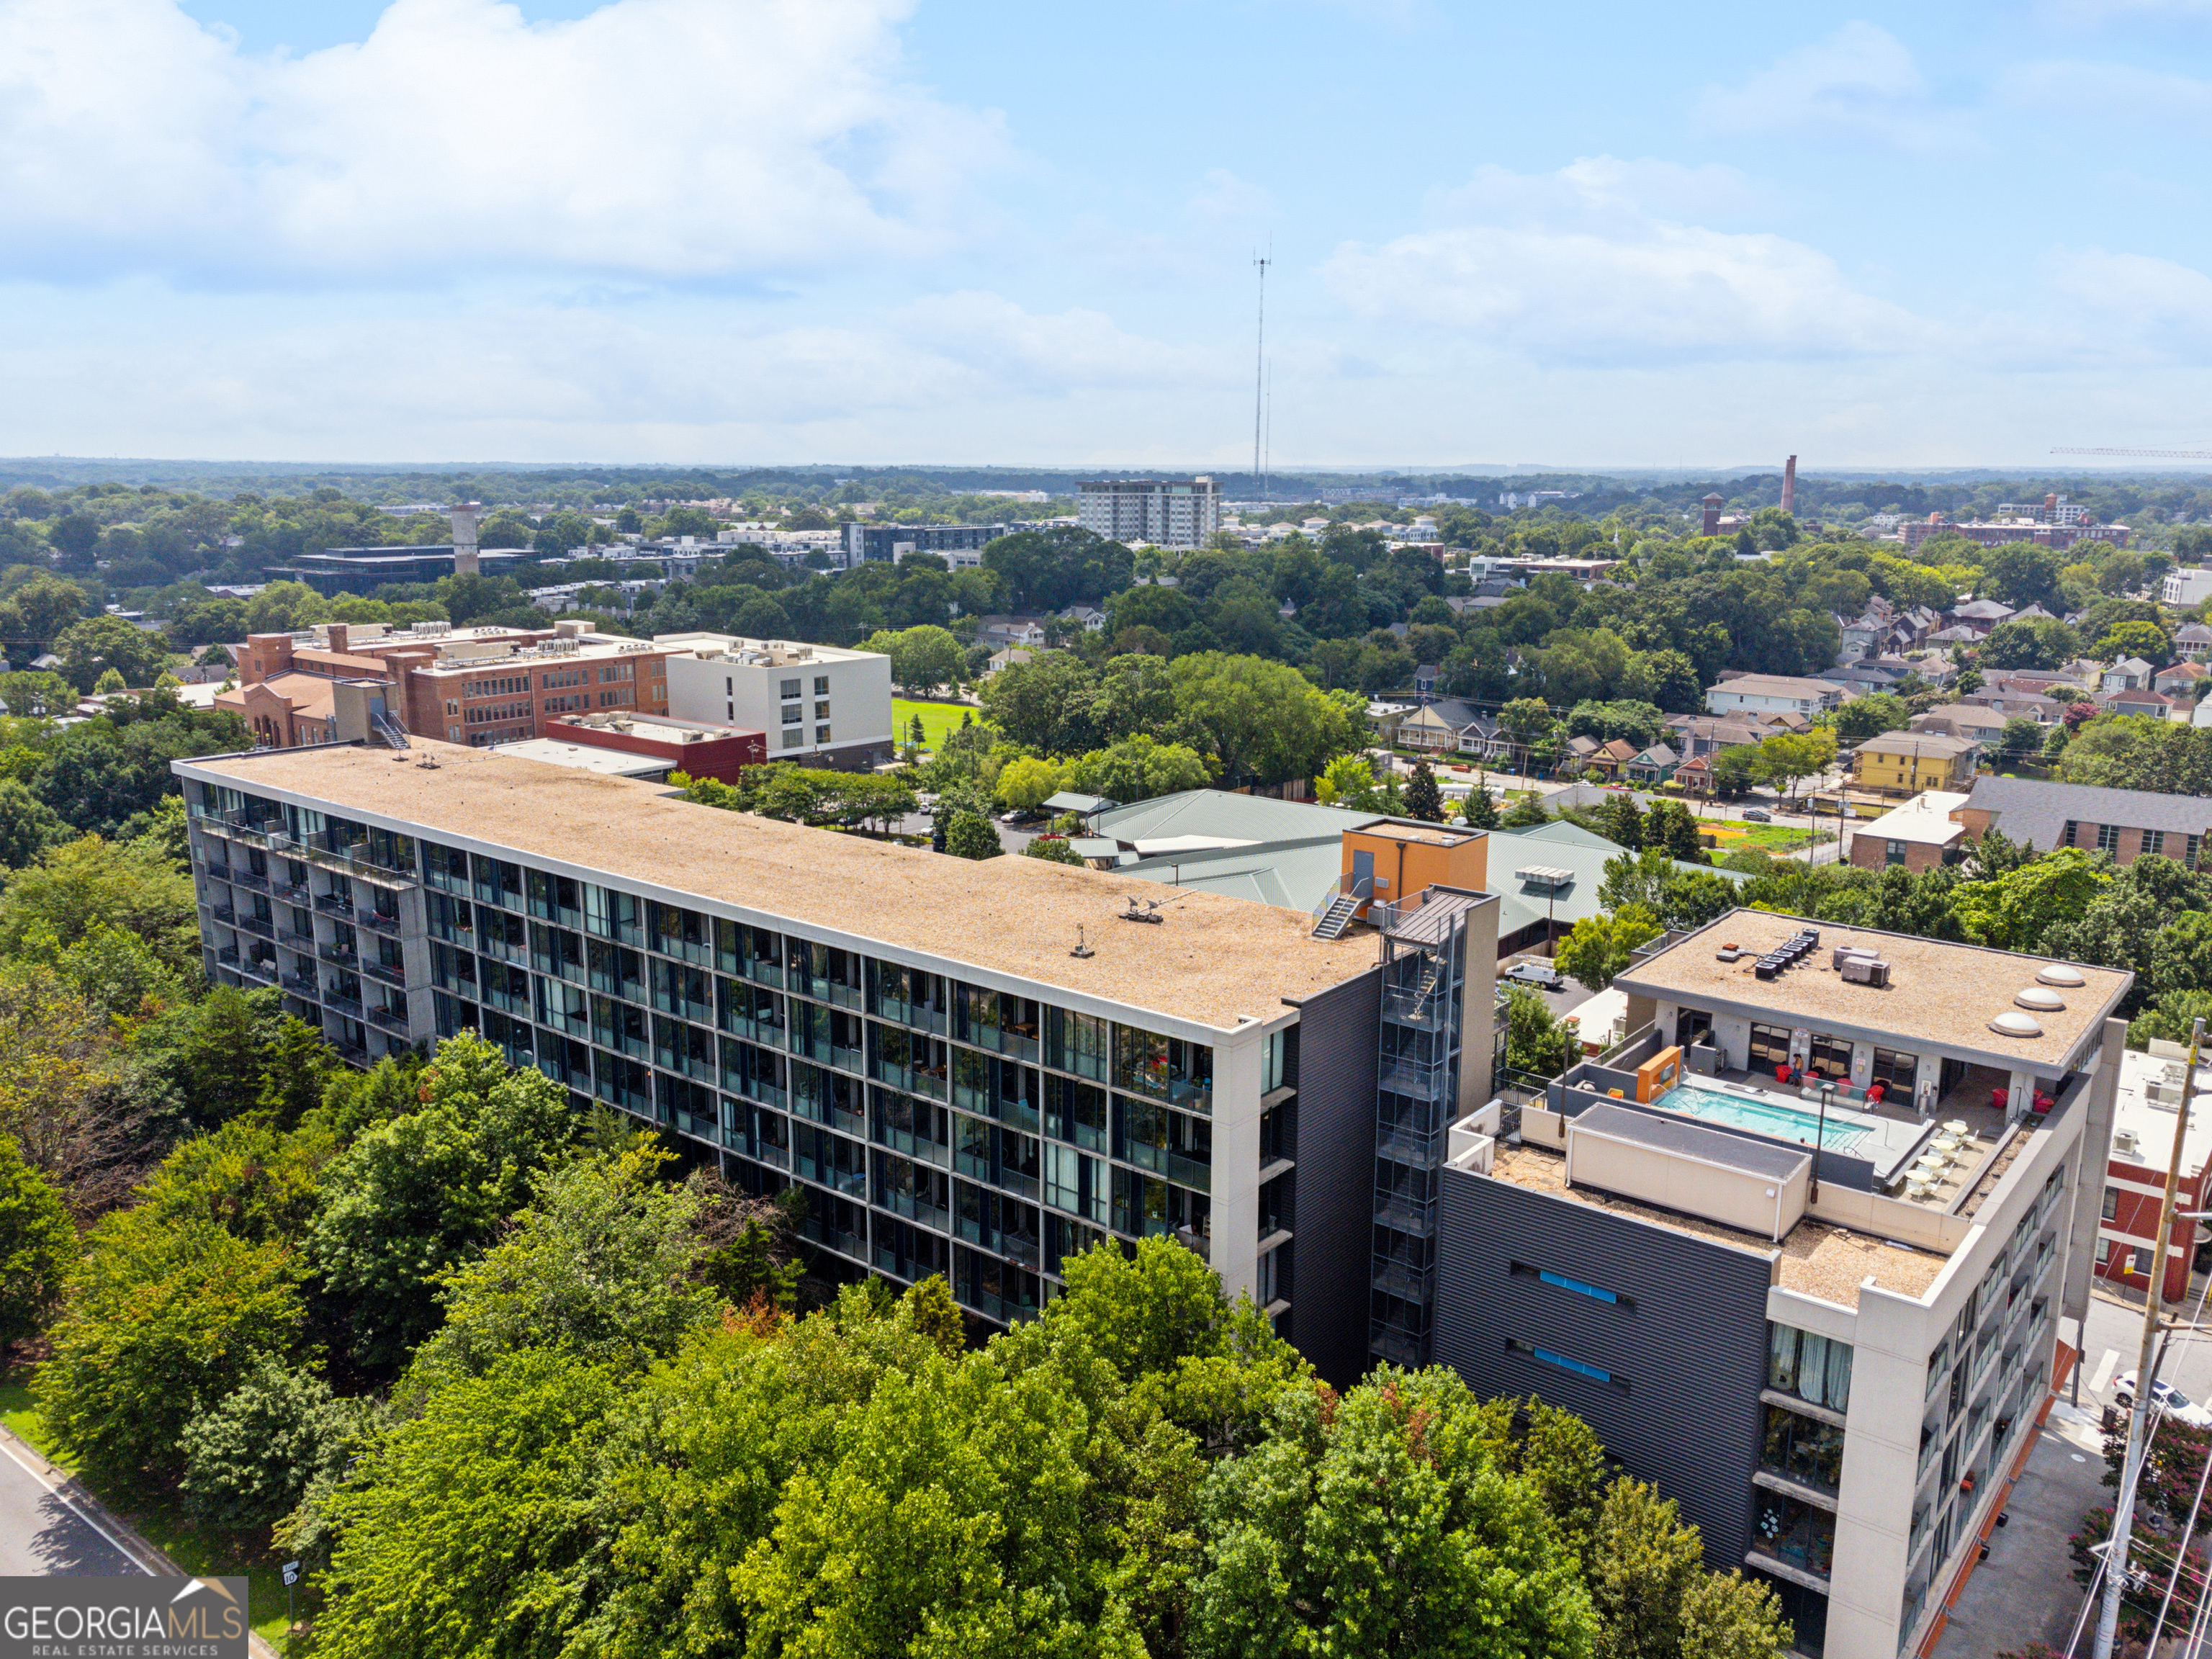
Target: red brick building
694,747
2135,1173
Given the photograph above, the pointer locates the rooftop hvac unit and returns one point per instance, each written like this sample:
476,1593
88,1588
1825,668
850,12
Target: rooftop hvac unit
1866,970
1843,953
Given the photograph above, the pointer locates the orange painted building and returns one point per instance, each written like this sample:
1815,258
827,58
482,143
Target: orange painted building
1397,859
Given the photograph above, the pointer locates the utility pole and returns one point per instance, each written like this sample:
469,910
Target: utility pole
2124,1510
1260,364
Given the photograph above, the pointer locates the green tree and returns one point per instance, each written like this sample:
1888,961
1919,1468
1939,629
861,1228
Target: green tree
27,825
164,1316
598,1265
1027,783
35,614
1349,781
1869,717
1424,799
1644,1559
1528,721
83,885
1792,757
938,1316
251,1456
1598,948
2015,911
2021,574
415,1198
1379,1527
2146,640
1620,820
1052,849
1535,1041
1726,1615
2170,1017
37,1245
102,644
922,659
1137,769
1651,880
1263,722
2038,643
972,835
1481,810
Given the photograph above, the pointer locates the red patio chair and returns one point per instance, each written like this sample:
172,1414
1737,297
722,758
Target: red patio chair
1997,1099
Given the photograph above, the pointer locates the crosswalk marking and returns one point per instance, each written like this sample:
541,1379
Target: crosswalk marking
2104,1372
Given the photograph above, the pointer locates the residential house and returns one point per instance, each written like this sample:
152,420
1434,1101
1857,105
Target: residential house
2141,700
1609,758
1766,694
2127,674
1654,765
1708,734
1905,763
1577,757
1916,836
1007,657
1089,616
1957,634
1695,775
1435,725
2193,642
2124,823
1012,630
1961,720
2184,681
1485,738
1978,615
1424,680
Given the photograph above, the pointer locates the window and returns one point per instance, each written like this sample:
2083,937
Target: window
791,688
1769,1047
2139,1262
1894,852
794,716
821,686
2112,1210
1816,1369
2153,843
1900,1071
821,734
2108,838
1562,1282
2189,857
794,738
1830,1058
822,711
2068,836
1801,1449
1274,1062
1546,1356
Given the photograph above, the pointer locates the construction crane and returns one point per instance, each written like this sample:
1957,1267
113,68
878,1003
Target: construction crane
2150,454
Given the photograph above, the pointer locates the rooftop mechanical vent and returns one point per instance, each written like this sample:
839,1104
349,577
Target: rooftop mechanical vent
2043,1001
2059,973
2013,1024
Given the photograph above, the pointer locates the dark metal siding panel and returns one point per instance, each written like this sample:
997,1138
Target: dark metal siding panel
1693,1348
1334,1182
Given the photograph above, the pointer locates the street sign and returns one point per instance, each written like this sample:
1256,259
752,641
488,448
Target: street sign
291,1574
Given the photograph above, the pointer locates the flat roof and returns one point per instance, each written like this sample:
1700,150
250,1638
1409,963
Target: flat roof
1686,1140
1815,1259
1926,818
1939,992
1214,961
587,758
2152,1121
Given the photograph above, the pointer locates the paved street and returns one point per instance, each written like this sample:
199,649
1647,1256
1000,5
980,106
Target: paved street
42,1532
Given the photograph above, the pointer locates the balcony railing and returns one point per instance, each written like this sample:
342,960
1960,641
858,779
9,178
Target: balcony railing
342,1002
294,940
335,904
293,892
390,1019
388,973
246,878
305,985
1416,1080
380,921
342,955
265,926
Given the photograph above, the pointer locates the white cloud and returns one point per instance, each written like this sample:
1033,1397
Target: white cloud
675,138
2156,306
1597,190
1572,267
2092,12
1860,80
2108,92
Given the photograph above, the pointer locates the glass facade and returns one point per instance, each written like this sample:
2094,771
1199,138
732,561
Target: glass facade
936,1125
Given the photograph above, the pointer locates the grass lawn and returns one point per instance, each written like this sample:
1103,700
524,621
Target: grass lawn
160,1519
1729,835
936,719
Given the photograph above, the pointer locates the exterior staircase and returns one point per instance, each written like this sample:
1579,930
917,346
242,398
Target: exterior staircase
393,733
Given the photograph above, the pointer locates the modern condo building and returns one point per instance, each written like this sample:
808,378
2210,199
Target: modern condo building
1832,1358
971,1068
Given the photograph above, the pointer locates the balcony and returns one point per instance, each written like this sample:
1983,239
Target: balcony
223,913
265,926
340,1001
246,878
305,985
381,922
293,892
387,973
335,904
292,938
227,956
390,1019
341,955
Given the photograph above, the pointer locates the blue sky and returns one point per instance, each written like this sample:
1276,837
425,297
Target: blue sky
866,230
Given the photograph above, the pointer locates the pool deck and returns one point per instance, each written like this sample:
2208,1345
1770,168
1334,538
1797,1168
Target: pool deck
1904,1130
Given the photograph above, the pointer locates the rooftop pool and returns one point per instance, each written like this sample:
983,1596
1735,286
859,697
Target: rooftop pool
1846,1130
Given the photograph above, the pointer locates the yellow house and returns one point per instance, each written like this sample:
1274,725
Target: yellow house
1907,762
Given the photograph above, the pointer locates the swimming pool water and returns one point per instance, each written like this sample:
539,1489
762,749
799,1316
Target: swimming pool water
1764,1118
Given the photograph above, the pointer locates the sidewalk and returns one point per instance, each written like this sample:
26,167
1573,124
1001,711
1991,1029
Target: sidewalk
72,1492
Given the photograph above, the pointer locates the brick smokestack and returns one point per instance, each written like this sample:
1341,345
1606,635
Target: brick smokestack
1713,506
1789,485
464,539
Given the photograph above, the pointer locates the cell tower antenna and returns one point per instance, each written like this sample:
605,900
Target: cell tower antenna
1260,360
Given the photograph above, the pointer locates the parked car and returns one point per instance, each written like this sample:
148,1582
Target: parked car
1757,815
1541,974
2164,1396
